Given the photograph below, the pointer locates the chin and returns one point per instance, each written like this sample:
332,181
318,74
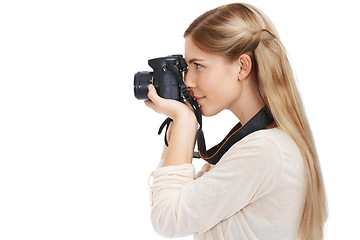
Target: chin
209,112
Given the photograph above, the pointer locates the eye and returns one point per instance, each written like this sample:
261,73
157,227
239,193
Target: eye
197,66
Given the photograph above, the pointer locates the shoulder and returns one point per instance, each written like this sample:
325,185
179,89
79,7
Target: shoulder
265,147
259,151
268,149
263,141
270,141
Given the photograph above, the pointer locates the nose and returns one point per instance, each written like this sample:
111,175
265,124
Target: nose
188,80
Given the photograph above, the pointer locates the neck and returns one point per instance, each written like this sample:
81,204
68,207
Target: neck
247,105
246,113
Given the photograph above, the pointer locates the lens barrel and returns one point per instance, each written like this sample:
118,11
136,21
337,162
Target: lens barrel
141,83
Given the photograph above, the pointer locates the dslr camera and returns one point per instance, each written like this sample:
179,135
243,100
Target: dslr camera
167,78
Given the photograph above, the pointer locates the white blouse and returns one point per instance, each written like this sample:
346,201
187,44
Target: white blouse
256,191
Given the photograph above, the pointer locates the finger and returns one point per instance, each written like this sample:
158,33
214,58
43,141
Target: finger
148,103
152,95
151,105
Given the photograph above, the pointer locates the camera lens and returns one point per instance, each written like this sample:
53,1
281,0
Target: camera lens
141,83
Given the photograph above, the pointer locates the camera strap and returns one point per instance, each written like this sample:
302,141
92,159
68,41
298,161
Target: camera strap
196,107
261,120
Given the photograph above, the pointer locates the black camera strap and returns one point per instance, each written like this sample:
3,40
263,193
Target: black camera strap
261,120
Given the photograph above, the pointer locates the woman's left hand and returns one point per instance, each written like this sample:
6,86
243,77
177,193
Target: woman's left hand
171,108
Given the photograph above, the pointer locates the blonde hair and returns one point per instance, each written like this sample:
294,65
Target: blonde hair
235,29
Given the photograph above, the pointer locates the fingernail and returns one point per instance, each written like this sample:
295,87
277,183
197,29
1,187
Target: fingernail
150,86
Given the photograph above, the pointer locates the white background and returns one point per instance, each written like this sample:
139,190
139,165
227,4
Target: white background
76,147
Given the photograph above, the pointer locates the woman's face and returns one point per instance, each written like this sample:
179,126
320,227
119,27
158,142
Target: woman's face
212,79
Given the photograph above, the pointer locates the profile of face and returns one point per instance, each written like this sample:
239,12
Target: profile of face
213,81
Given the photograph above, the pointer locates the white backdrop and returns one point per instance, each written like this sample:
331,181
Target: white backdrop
76,147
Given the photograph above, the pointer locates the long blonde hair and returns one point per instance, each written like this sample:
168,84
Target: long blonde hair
234,29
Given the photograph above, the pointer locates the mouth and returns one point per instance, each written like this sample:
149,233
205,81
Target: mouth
199,99
196,97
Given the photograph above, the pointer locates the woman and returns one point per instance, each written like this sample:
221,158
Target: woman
269,184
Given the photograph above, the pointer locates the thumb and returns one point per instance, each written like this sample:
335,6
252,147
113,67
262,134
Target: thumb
152,95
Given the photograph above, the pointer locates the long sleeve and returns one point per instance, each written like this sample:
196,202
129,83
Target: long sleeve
167,197
183,205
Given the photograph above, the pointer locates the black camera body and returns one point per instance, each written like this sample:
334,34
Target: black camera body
167,78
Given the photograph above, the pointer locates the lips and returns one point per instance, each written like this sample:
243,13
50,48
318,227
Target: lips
199,99
196,98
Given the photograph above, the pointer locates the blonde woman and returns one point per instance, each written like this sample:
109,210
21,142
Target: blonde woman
268,185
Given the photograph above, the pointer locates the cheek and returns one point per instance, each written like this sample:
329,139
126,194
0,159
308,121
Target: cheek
220,87
208,83
221,92
203,82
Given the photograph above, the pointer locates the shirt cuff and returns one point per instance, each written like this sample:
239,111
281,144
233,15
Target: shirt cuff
184,170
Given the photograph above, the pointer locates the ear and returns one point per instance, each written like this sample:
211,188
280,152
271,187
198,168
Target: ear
245,65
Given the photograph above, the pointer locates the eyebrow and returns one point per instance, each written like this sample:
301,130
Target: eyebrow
195,60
